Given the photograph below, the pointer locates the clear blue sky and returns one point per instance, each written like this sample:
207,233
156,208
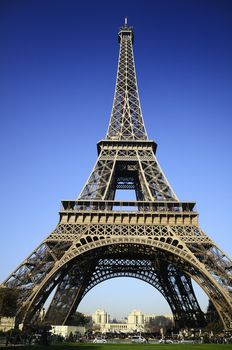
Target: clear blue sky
58,66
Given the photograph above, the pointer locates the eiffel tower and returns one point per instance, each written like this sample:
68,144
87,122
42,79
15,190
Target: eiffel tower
155,238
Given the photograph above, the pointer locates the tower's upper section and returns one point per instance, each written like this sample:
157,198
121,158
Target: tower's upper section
126,122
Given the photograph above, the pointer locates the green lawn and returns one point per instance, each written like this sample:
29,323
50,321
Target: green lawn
89,346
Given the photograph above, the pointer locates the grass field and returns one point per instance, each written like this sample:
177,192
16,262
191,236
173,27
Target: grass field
89,346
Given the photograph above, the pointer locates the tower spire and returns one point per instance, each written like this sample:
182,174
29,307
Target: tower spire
126,122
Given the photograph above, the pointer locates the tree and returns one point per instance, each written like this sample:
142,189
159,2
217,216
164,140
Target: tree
156,323
78,319
8,301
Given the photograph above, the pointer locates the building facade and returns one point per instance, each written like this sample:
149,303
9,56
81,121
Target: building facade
7,323
100,317
136,322
65,331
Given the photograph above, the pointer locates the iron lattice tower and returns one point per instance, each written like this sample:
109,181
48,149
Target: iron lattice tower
155,238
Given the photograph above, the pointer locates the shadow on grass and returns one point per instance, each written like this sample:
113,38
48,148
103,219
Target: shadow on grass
61,346
91,346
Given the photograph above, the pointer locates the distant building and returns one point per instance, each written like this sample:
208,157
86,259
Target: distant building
136,321
7,323
114,328
100,317
64,331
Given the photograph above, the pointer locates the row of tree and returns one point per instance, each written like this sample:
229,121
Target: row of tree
8,306
8,301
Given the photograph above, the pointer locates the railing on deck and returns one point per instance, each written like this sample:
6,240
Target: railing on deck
131,206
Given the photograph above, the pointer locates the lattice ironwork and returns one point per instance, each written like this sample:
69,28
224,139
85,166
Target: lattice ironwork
140,166
126,121
180,294
156,238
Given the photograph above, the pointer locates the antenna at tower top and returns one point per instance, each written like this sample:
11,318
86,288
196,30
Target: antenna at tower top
126,21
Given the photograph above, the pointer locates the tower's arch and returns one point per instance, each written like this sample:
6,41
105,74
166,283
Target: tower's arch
153,261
